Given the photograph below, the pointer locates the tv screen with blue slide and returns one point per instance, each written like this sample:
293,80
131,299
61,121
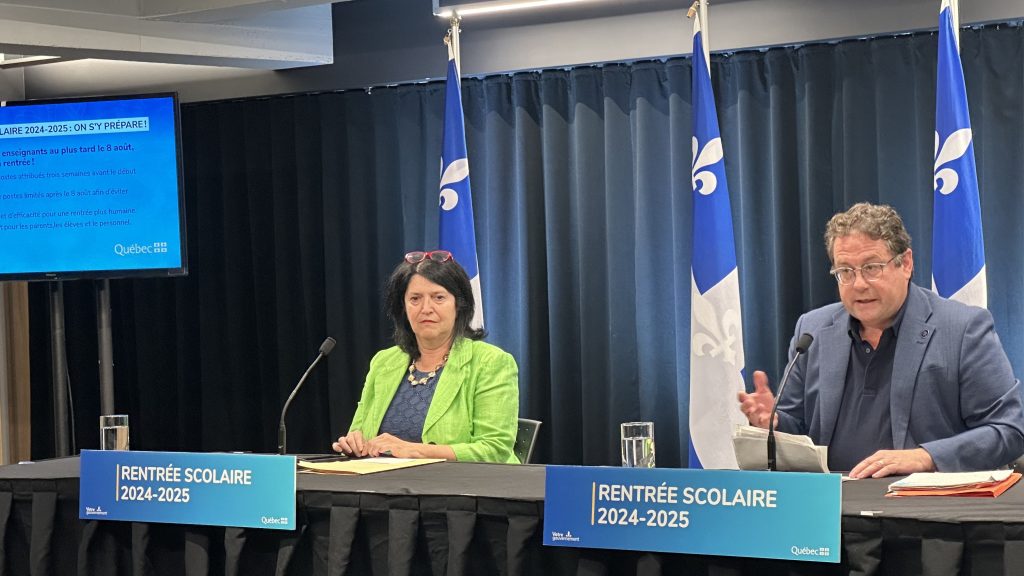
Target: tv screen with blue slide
91,188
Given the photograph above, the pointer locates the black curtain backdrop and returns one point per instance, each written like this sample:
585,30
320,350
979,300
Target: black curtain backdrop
299,206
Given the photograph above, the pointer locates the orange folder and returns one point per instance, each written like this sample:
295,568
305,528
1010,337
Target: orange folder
979,490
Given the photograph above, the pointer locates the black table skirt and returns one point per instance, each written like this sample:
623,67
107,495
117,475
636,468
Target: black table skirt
474,519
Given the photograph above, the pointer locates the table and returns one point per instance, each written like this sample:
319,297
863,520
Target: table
465,518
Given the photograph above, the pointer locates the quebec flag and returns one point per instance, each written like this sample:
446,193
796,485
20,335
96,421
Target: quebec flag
456,220
958,248
716,334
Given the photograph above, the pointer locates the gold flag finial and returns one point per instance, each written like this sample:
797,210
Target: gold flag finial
454,23
693,9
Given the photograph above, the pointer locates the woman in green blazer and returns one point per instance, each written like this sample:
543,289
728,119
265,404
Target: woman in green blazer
440,392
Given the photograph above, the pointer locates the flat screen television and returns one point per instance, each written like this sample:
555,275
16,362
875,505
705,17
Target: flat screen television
91,188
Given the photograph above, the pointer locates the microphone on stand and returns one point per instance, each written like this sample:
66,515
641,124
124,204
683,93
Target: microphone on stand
325,349
802,344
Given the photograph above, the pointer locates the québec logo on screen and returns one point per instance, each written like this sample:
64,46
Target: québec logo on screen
136,249
809,551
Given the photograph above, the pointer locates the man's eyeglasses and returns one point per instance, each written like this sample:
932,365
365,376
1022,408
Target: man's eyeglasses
870,272
435,255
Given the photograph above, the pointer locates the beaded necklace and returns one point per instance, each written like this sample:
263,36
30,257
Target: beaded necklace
430,375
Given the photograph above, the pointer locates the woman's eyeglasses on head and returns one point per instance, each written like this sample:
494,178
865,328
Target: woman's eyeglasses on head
435,255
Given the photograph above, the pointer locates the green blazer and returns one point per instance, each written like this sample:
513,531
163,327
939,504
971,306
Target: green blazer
474,410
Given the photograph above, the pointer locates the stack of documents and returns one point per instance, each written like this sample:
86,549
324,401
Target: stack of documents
792,453
363,465
979,484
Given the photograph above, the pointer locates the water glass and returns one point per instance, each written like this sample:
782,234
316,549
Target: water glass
114,432
637,444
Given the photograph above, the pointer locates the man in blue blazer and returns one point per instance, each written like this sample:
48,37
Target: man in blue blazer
898,379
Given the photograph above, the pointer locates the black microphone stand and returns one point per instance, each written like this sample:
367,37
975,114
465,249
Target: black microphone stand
282,433
801,347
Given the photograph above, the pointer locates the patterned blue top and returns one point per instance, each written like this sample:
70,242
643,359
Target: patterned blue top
408,409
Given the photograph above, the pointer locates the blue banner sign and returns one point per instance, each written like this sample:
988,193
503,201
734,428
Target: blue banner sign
244,490
784,515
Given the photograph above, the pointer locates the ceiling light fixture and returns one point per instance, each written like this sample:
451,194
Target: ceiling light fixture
449,8
17,60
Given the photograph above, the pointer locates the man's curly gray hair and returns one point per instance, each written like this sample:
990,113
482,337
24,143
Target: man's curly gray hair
876,221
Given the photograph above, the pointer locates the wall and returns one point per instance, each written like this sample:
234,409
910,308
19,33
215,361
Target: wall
398,41
12,84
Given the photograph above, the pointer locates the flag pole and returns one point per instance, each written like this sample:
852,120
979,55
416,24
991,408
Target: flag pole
452,40
954,12
700,7
705,30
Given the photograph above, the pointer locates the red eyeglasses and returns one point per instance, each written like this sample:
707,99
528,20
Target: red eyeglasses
435,255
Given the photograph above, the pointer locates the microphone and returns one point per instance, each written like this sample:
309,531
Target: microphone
802,344
282,434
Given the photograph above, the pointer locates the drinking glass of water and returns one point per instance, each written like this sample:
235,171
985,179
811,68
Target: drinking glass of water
637,444
114,432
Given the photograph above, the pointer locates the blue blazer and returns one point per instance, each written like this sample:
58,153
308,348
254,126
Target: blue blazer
953,391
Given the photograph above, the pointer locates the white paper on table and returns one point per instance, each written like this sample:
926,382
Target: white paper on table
793,453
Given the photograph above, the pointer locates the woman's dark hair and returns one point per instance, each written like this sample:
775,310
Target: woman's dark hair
447,274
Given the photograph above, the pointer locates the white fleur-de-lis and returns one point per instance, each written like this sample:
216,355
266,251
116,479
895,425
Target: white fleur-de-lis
954,147
456,172
717,340
706,182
